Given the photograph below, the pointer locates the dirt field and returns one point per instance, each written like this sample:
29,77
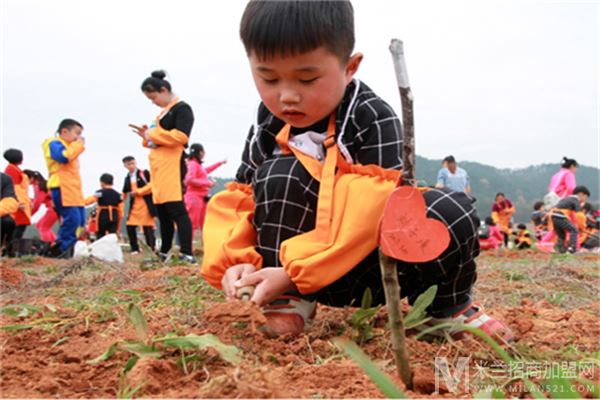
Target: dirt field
54,324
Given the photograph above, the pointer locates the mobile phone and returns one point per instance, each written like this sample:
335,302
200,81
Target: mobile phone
137,128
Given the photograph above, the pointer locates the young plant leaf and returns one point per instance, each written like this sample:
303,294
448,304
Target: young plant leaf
229,353
137,319
141,350
417,313
130,364
106,355
381,380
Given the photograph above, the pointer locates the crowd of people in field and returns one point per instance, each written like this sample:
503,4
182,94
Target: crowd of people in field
139,203
562,221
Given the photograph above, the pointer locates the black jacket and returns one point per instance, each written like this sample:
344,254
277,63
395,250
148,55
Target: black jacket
143,179
370,132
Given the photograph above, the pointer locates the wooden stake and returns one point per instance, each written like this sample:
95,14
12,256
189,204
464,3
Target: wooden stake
406,98
389,269
391,287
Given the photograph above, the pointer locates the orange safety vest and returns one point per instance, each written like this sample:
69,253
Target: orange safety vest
65,176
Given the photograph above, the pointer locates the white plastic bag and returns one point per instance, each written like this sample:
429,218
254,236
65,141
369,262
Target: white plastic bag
551,199
106,249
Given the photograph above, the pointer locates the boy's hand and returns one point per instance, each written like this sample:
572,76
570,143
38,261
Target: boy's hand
270,283
234,274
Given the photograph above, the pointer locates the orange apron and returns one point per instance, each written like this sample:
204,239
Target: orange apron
165,160
346,228
139,215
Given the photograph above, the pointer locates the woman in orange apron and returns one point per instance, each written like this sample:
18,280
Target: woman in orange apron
167,137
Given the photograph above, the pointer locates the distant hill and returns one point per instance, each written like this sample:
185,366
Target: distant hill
522,186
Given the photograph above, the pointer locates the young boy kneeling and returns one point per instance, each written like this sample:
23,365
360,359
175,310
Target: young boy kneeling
301,59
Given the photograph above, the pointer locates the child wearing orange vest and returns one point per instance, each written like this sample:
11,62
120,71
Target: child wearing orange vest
315,116
64,181
8,206
22,216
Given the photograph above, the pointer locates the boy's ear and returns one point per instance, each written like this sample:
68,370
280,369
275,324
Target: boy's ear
352,65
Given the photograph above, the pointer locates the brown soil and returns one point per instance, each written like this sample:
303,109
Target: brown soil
83,315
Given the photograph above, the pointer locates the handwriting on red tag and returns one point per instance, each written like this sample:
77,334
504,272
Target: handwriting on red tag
406,233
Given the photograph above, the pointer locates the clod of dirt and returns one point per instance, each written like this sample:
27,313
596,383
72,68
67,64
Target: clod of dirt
11,276
47,385
151,375
235,311
424,381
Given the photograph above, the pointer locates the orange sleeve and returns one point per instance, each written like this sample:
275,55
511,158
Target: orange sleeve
170,138
90,200
73,150
8,205
143,191
495,217
229,237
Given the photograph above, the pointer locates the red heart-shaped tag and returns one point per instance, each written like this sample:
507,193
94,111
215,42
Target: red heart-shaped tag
406,233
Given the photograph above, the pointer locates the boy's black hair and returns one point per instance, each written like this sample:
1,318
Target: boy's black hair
568,162
128,158
13,156
499,194
296,26
537,205
155,82
582,189
489,221
521,226
107,179
68,123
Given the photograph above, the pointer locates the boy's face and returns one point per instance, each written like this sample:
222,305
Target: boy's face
130,165
70,135
305,88
582,197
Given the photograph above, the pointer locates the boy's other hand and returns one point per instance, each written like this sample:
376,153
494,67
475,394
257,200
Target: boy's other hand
234,274
270,283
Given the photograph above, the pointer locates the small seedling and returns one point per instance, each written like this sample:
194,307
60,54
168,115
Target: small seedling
363,319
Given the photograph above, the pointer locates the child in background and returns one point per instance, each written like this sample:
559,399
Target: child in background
42,196
523,237
564,219
589,239
64,181
21,186
8,206
539,217
490,236
502,212
198,185
109,201
91,228
300,55
141,211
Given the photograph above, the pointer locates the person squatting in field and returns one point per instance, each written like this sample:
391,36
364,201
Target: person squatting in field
315,115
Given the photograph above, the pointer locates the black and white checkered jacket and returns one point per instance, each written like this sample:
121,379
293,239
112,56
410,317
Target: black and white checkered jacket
368,131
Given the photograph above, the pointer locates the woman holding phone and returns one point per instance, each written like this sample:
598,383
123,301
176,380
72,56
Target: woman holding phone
167,137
